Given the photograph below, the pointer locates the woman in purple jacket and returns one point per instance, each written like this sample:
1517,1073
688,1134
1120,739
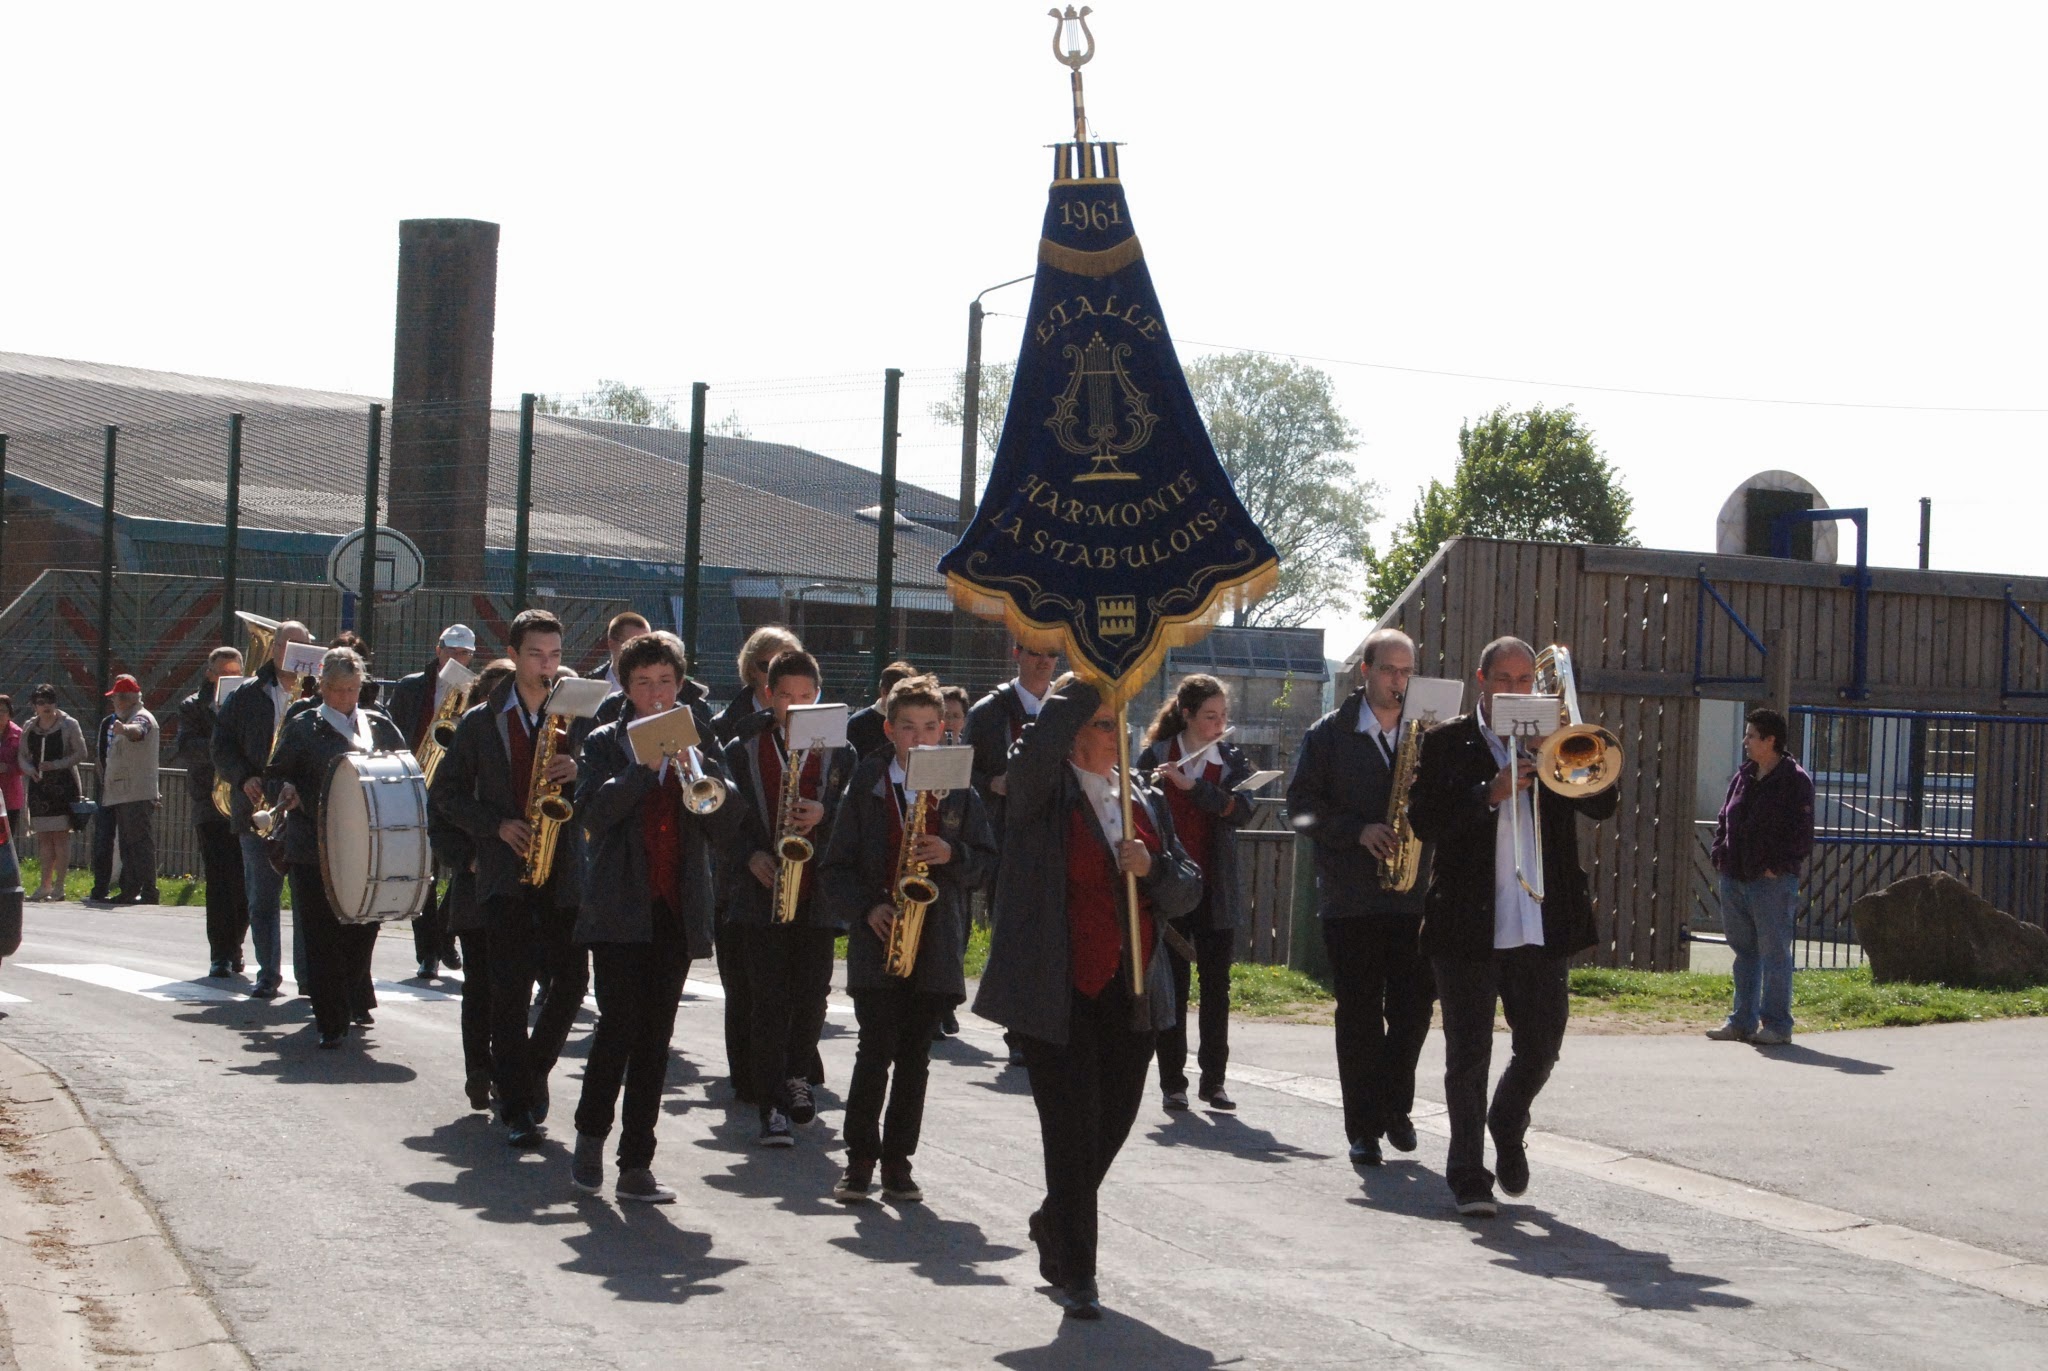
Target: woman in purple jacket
1760,846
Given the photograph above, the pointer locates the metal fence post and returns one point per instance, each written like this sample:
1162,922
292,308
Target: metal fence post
106,654
232,548
885,531
366,591
3,517
521,567
693,522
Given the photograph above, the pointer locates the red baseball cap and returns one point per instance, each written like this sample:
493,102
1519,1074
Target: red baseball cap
126,683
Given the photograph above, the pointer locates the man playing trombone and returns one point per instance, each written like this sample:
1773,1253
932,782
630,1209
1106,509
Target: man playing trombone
1507,906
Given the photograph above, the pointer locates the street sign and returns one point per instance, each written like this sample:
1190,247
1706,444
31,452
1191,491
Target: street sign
400,567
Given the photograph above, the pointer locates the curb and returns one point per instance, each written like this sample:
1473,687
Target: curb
88,1274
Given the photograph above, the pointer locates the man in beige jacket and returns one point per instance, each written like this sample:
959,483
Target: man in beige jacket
128,740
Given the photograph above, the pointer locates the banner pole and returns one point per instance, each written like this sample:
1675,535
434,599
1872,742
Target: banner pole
1123,762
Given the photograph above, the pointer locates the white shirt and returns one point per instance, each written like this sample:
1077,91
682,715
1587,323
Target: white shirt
1102,797
1032,703
1517,917
347,725
1369,724
279,702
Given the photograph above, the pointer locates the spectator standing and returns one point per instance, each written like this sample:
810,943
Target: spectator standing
128,742
1761,843
220,856
13,788
55,745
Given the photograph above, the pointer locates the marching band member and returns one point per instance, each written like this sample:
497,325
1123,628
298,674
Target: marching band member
1488,938
759,652
1059,975
455,852
227,908
242,740
337,954
788,966
1338,799
857,881
864,727
485,787
957,705
1198,774
415,701
647,913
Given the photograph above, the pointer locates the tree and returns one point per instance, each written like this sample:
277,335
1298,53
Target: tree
1285,444
616,401
1531,474
988,419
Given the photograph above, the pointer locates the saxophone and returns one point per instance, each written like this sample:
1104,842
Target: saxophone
915,893
1398,872
792,849
441,730
549,809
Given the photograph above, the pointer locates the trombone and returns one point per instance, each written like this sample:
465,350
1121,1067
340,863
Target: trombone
1576,760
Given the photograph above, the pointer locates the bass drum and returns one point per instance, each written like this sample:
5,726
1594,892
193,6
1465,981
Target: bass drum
374,858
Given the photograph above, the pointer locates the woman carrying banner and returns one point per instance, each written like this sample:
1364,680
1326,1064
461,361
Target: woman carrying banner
1060,974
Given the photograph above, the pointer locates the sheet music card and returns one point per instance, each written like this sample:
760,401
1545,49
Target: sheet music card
228,685
1258,780
303,659
816,726
658,736
1432,699
1523,718
939,768
577,696
456,676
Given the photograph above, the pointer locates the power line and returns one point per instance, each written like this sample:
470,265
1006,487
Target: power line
1609,390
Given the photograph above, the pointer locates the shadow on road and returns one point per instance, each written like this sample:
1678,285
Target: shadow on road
960,1052
942,1251
1118,1340
798,1178
285,1045
1797,1055
1404,1187
1227,1133
1006,1079
498,1183
640,1254
1541,1244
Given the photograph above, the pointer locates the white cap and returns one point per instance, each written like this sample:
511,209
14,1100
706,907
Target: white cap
458,636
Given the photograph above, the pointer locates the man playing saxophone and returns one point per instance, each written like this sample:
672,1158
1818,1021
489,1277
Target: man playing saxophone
788,961
1339,798
885,837
418,703
485,786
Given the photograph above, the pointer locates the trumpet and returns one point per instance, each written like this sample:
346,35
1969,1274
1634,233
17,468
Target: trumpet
1576,760
792,849
916,892
702,794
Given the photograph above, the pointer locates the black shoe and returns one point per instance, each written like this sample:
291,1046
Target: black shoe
775,1129
145,897
586,1167
479,1090
1081,1301
950,1025
1174,1101
1477,1202
1366,1152
1216,1097
330,1041
265,992
363,1017
803,1106
238,966
1048,1269
1511,1168
451,957
525,1131
218,971
427,971
540,1099
852,1186
897,1184
1401,1133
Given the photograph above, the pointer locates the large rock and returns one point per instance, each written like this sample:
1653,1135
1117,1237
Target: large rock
1934,929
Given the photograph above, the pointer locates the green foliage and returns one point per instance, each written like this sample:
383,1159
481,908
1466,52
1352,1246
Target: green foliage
1286,445
1531,474
990,410
618,402
1820,999
1269,992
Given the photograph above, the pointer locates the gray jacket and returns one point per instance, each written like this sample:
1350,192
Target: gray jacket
128,766
1028,985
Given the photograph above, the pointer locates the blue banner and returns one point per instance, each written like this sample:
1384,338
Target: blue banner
1109,530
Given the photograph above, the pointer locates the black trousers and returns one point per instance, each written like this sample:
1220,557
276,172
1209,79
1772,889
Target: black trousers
1087,1095
739,1009
1213,951
789,972
134,826
227,905
896,1026
430,936
476,1002
1384,989
638,985
531,942
1534,992
337,954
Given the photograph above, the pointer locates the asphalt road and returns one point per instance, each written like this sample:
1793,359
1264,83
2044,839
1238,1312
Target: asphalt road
346,1209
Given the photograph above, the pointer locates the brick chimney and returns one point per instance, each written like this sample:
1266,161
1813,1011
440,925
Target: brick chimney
440,455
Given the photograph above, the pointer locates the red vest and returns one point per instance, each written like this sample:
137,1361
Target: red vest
1193,825
661,830
809,786
1095,924
521,758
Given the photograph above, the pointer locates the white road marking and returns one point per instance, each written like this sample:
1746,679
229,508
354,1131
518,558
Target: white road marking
144,983
6,998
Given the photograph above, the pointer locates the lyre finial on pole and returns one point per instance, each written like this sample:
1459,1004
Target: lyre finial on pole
1072,27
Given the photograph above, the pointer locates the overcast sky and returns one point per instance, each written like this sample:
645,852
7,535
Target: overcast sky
1838,205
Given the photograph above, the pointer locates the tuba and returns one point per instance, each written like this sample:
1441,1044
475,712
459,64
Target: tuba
792,849
915,893
262,633
1576,760
549,809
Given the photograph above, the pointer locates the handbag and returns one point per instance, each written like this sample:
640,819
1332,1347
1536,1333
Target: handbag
82,812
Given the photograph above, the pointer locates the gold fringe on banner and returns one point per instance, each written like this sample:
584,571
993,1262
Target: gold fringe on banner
1075,262
1177,630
